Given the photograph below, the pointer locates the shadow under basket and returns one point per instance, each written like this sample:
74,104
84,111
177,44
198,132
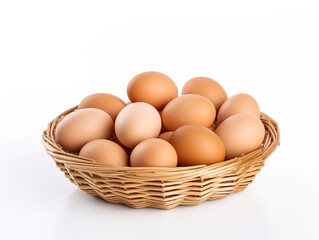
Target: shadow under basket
164,188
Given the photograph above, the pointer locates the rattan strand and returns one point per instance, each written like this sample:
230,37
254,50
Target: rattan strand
162,188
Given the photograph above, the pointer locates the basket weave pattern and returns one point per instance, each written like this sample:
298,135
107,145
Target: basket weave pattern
163,188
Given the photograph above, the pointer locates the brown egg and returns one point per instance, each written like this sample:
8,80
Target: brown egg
206,87
240,103
137,122
153,152
188,109
154,88
166,135
241,133
109,103
105,152
196,145
83,126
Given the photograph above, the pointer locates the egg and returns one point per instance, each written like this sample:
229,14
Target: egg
82,126
166,135
206,87
154,88
153,152
109,103
188,109
137,122
241,134
240,103
105,152
196,145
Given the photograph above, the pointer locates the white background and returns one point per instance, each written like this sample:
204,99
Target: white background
54,53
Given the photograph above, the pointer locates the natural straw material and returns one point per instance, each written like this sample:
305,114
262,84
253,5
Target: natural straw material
164,188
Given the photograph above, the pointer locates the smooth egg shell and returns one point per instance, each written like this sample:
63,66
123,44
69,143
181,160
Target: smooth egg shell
240,103
206,87
153,152
188,109
82,126
154,88
106,152
241,133
109,103
166,135
196,145
137,122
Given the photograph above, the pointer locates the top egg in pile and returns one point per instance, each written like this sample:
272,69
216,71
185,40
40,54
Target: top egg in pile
158,128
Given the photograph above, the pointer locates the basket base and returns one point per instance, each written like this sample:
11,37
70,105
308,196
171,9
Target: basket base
156,204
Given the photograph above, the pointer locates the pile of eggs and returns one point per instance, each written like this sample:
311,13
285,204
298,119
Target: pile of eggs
158,128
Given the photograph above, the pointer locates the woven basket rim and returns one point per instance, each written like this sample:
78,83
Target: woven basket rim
81,163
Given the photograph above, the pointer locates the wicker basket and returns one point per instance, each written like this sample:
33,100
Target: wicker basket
164,188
